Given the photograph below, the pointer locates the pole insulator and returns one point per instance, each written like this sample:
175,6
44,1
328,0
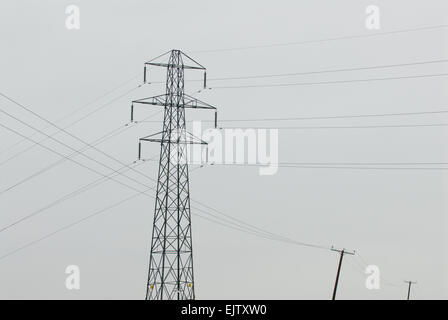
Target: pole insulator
216,119
132,112
139,150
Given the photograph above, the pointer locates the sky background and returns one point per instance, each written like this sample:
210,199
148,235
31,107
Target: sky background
395,219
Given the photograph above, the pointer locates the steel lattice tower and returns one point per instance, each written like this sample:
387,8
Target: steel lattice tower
171,259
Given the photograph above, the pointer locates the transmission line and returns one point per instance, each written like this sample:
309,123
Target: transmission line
289,74
261,230
229,224
71,225
62,143
96,142
107,177
341,167
240,224
72,135
78,109
349,37
332,116
70,159
363,263
242,227
327,82
347,127
72,194
65,127
360,165
69,134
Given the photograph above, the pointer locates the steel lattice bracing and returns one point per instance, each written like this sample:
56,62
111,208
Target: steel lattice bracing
171,258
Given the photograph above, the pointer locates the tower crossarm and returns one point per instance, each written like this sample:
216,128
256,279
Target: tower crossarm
174,66
158,137
189,102
161,100
179,64
195,65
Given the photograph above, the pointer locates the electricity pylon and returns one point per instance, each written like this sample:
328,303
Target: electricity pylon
171,274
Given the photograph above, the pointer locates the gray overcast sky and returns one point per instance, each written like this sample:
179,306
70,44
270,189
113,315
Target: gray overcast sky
395,219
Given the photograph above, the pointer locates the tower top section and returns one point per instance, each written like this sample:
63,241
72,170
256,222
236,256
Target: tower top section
165,60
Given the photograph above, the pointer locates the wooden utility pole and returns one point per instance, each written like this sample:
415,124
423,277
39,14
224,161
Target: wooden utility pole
410,283
341,252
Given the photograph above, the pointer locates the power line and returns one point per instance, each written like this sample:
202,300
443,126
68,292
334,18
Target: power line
138,194
341,164
71,195
332,116
358,36
46,168
221,222
70,134
22,106
62,143
240,224
347,127
70,225
125,200
347,69
275,75
107,177
328,82
255,228
349,116
368,168
365,163
86,218
93,170
363,263
101,139
341,167
76,110
78,138
282,238
65,127
225,223
70,159
148,177
360,270
260,235
362,167
61,129
96,142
